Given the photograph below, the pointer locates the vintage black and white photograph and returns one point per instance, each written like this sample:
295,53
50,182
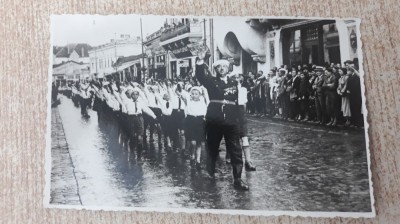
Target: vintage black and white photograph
238,115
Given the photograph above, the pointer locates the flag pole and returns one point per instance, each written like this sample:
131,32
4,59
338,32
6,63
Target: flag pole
141,34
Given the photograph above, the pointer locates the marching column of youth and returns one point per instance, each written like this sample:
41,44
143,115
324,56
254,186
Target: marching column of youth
222,117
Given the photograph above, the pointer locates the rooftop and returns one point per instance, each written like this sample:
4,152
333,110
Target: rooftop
82,49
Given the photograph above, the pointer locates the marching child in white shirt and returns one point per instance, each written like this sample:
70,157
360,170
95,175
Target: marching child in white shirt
195,124
135,108
242,100
166,123
150,92
178,113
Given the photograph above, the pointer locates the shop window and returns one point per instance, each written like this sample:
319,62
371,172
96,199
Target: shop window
295,46
311,33
332,27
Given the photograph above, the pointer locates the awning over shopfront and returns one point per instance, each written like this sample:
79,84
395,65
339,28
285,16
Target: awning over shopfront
231,38
126,65
183,49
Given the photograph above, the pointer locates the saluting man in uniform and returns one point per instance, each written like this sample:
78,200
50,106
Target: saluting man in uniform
222,118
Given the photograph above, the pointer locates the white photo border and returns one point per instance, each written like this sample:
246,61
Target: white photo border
48,159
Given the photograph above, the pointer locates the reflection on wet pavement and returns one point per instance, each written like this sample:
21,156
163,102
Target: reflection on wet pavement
297,169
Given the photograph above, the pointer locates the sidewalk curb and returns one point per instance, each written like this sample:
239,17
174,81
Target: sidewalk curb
307,123
64,188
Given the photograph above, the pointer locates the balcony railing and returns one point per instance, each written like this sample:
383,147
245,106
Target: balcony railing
175,31
193,26
154,35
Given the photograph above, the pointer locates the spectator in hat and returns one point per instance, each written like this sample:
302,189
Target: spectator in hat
319,94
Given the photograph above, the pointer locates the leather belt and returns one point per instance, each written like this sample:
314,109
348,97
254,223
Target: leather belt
202,116
223,102
135,115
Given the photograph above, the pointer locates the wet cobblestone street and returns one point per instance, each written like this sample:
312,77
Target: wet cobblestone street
300,167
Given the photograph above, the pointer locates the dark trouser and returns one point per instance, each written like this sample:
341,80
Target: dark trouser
263,105
151,123
84,104
230,131
285,101
294,108
135,125
320,107
258,105
250,104
330,103
355,108
269,106
303,108
76,99
54,96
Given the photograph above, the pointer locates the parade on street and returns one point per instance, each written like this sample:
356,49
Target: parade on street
299,167
209,113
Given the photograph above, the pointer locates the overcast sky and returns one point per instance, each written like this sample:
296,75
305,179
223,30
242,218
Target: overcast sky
97,29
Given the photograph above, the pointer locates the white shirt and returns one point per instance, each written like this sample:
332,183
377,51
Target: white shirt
74,90
242,95
225,79
196,108
85,93
177,102
205,95
111,101
152,99
133,107
166,111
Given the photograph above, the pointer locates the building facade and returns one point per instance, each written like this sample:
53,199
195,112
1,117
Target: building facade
181,38
104,57
71,52
156,56
70,71
130,68
262,44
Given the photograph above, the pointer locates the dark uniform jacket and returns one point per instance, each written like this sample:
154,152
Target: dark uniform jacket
318,83
218,90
